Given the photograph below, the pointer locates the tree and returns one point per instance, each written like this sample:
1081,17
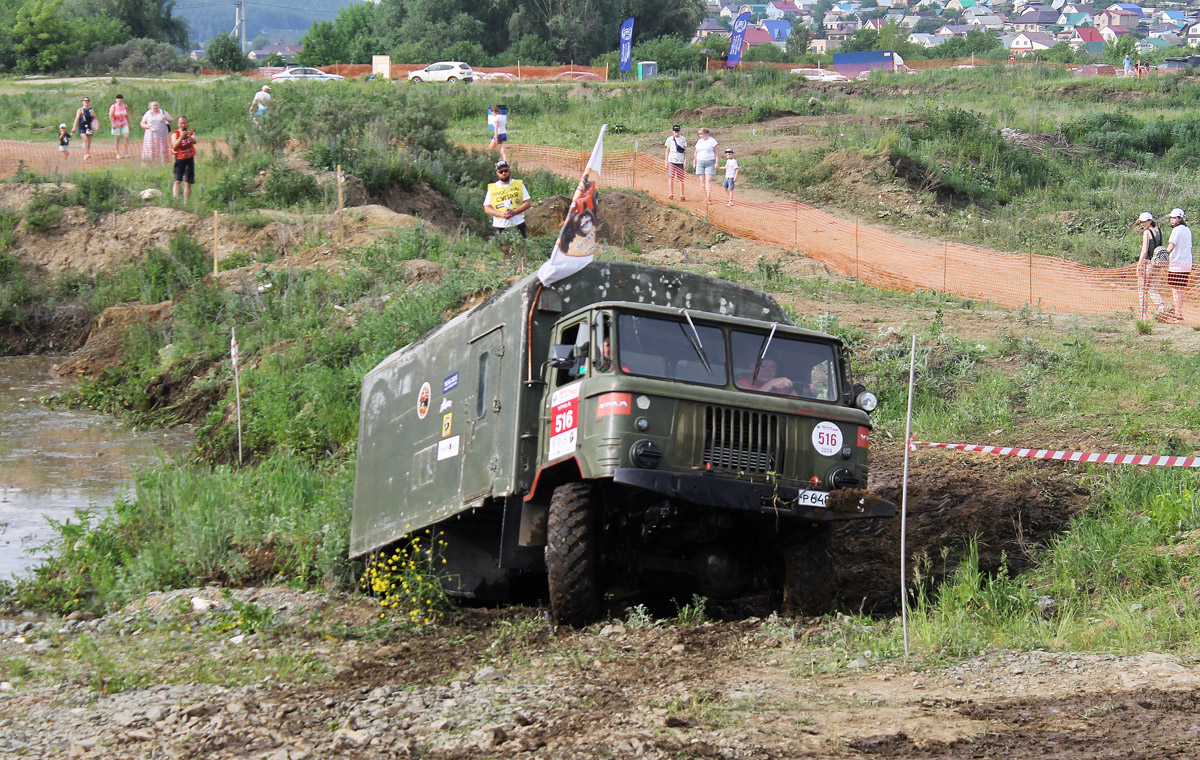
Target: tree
260,41
765,52
44,40
1115,52
148,19
224,52
1060,53
799,40
322,46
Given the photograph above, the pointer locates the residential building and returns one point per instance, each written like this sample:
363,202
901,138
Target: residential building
1113,33
1028,43
782,9
1036,19
1118,17
1083,35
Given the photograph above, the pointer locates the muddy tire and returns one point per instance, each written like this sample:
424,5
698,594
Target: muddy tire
572,556
809,583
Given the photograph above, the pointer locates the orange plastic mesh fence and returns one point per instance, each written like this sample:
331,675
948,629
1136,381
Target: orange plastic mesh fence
401,71
880,258
45,158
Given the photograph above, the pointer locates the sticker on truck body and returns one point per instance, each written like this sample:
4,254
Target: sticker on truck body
614,403
447,421
447,448
423,398
450,383
827,438
564,422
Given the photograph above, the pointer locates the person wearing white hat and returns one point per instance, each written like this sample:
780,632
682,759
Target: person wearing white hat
64,141
258,105
1152,257
1180,267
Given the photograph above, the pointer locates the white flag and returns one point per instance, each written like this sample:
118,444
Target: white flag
233,351
576,242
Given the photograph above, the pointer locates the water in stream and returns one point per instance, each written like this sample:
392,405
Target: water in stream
53,461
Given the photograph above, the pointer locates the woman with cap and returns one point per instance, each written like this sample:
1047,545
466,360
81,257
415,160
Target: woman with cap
1151,256
85,125
1180,267
676,146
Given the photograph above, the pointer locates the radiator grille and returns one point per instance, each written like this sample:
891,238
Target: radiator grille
741,441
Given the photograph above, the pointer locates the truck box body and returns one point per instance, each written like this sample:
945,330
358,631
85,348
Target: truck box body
452,419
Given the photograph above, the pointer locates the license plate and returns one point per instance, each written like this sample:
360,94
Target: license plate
812,499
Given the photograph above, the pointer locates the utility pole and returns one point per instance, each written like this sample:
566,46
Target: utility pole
239,23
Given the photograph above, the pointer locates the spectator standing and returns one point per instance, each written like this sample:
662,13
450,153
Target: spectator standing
1128,66
506,202
118,118
183,145
258,104
676,146
64,141
156,142
85,125
1151,256
731,173
498,122
1180,267
705,159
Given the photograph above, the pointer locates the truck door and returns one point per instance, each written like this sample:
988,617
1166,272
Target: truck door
485,415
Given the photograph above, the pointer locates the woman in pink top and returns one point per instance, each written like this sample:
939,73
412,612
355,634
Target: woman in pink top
157,123
118,117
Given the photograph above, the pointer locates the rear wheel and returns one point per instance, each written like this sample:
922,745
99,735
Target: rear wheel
452,79
572,555
809,583
415,79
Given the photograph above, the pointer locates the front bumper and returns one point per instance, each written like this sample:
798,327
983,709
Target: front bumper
723,493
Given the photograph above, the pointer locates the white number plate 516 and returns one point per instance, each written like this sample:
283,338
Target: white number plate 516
812,498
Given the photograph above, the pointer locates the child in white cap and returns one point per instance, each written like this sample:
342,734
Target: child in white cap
64,141
731,173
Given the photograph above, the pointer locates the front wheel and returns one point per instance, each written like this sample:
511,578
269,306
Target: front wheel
572,555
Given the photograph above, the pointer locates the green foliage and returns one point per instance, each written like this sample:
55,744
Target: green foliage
223,52
43,211
43,37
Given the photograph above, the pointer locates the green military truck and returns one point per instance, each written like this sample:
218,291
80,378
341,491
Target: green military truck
625,430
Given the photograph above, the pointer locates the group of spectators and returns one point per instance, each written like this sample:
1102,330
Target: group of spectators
159,142
1175,255
704,161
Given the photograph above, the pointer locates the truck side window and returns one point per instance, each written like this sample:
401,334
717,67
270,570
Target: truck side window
574,335
481,391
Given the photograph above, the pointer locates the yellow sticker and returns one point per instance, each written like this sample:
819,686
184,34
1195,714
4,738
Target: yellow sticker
446,418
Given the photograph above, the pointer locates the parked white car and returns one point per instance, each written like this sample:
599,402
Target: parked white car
305,74
443,71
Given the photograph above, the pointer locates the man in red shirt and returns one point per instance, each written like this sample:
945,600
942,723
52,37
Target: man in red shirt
183,145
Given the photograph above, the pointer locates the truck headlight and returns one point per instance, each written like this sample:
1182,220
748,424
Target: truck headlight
866,401
646,454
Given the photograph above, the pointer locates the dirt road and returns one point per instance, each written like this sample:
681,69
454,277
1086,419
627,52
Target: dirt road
162,679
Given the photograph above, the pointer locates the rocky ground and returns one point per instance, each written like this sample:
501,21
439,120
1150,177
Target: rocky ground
281,675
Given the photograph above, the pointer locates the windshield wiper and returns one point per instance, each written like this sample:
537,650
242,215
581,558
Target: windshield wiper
762,355
694,339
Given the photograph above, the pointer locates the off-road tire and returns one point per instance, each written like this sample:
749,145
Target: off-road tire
809,582
572,556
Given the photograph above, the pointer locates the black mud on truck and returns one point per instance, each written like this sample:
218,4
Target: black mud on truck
627,431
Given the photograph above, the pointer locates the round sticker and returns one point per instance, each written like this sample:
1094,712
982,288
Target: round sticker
827,438
423,400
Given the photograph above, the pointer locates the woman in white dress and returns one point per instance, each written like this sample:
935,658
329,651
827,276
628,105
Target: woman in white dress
156,144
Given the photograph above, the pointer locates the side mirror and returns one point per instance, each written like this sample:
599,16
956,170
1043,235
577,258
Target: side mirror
562,356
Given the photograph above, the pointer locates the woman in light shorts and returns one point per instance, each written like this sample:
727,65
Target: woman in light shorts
705,159
118,117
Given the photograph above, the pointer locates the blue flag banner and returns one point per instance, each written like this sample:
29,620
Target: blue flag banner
627,44
735,40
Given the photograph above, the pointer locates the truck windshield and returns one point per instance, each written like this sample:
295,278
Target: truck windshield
656,347
791,367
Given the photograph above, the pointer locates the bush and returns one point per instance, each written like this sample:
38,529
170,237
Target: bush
139,56
43,211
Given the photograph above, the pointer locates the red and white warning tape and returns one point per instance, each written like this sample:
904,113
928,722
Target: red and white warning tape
1066,456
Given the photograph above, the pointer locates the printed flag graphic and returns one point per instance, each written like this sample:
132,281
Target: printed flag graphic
735,40
627,44
577,241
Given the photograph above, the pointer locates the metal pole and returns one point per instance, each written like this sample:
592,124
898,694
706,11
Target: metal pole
216,242
237,391
912,363
341,179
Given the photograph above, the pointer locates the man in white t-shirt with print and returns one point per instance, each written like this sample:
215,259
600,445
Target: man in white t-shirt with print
1180,267
676,146
506,202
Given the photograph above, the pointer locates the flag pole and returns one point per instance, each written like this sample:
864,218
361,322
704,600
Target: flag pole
237,389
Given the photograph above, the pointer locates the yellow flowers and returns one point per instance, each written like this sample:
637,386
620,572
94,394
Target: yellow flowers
405,582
